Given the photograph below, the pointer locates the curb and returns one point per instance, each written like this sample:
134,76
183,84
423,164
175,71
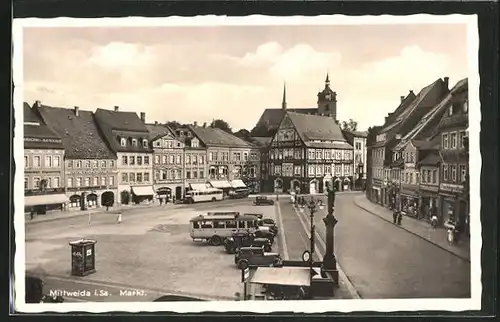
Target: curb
413,233
342,275
282,232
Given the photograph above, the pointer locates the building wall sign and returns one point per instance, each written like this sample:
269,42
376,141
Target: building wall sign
429,188
408,192
451,187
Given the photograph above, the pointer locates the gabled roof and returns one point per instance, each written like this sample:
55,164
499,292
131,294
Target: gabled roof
80,135
432,118
405,113
432,159
215,137
157,131
271,117
315,127
37,135
428,144
115,125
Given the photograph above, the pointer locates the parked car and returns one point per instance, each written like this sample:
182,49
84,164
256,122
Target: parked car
270,223
256,257
238,240
263,200
265,232
239,193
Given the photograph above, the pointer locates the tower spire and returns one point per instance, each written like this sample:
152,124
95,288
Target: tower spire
327,80
283,102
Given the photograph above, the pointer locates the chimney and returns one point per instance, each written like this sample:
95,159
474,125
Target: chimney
204,124
117,108
446,82
38,103
156,122
411,91
77,109
143,117
195,123
402,99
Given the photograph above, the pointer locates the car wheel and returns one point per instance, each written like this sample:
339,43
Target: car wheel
243,264
276,263
216,240
213,199
268,248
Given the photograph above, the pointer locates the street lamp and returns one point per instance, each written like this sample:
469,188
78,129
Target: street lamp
329,260
311,205
360,175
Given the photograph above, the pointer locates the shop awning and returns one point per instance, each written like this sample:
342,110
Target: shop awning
143,191
238,184
292,276
220,184
45,200
199,186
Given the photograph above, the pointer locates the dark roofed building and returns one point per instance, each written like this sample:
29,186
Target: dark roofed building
90,165
157,130
43,165
305,151
215,137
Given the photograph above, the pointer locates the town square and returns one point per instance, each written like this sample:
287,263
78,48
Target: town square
278,168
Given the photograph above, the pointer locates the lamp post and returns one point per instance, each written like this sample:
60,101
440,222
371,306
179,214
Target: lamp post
311,205
329,260
360,175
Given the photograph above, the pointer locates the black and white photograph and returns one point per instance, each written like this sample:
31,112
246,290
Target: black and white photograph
257,164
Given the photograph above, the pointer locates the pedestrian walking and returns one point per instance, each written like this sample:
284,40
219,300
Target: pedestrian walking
32,214
395,216
400,217
119,218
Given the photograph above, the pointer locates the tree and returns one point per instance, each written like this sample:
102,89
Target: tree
350,125
108,199
173,124
261,131
125,197
244,134
221,124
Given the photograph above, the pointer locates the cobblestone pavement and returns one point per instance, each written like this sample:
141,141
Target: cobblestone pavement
421,228
384,261
151,249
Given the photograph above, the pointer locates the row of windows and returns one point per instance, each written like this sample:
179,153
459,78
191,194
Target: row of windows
237,156
50,161
90,163
429,176
450,173
378,154
169,144
52,182
319,154
357,146
289,170
135,177
134,142
135,160
172,174
453,140
90,182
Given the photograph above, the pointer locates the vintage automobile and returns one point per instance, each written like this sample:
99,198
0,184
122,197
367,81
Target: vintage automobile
270,223
239,193
263,200
265,232
255,257
238,240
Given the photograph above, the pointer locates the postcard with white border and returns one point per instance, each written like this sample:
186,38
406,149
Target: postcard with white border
247,164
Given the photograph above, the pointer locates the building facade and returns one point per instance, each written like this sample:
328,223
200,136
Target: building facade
168,162
128,138
90,166
43,165
358,140
306,151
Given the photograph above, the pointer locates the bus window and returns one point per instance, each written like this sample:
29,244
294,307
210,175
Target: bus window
231,224
206,224
251,223
196,224
241,224
219,224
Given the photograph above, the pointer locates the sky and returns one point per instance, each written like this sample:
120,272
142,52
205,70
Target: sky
234,73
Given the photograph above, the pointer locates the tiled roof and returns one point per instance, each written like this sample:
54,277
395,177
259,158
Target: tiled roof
397,163
38,136
158,130
431,159
406,113
315,127
115,125
392,120
332,145
271,117
216,137
262,141
428,144
80,135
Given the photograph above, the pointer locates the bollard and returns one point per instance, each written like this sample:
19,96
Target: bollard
119,218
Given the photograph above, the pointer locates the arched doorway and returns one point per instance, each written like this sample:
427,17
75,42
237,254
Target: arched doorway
338,185
164,193
178,193
108,199
321,186
278,185
313,186
74,201
295,185
92,200
347,182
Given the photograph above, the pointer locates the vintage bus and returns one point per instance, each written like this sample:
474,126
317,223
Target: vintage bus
214,228
193,196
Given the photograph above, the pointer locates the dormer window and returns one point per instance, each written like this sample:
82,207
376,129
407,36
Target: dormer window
134,142
450,111
465,107
145,143
123,142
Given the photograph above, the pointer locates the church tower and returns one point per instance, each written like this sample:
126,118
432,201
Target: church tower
283,102
327,100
